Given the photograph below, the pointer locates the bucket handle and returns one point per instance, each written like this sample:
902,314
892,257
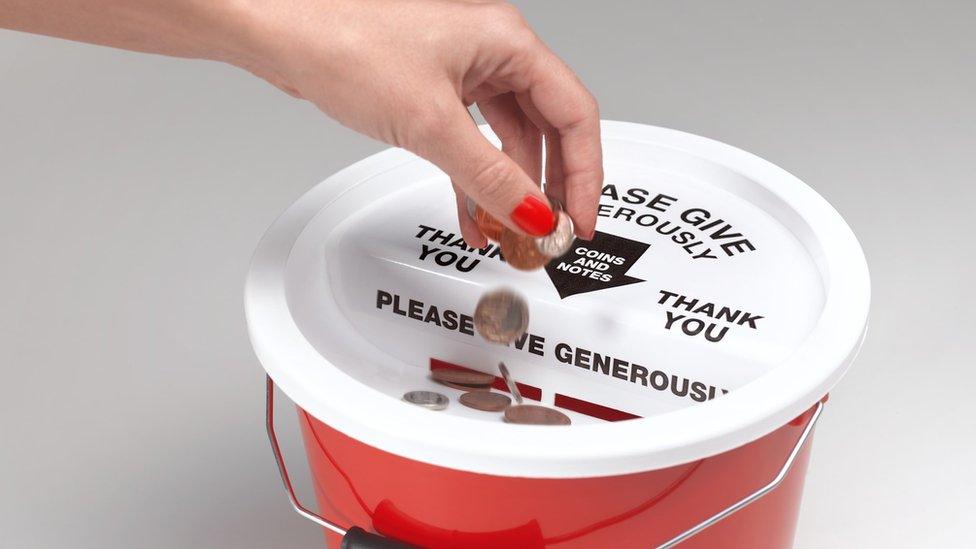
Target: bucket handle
751,498
352,538
357,538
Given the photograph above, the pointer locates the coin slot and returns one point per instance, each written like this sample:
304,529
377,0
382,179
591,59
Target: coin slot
592,409
528,391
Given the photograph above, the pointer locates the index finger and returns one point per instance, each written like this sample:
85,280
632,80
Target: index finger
567,108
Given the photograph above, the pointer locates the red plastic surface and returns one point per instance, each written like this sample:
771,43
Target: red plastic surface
440,508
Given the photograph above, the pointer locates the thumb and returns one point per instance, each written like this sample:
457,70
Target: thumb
485,173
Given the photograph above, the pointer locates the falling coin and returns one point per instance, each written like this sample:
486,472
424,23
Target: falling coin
490,227
560,240
427,399
488,402
521,251
502,316
530,414
462,377
512,387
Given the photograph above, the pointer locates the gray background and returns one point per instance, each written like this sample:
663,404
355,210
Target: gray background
133,189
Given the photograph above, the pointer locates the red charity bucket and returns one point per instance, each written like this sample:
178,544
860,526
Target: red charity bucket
441,508
691,342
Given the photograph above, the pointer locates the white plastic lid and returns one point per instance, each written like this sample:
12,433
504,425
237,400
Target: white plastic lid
712,272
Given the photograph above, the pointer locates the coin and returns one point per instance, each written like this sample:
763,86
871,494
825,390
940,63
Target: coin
512,387
530,414
427,399
560,240
485,401
521,251
490,227
462,377
501,316
465,388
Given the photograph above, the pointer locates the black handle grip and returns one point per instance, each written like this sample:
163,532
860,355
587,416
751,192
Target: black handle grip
357,538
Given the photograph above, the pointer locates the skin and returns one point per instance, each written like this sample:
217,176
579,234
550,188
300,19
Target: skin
401,71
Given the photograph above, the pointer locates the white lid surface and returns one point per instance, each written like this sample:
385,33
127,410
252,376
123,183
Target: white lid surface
712,270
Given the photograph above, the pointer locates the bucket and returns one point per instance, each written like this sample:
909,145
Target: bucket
692,343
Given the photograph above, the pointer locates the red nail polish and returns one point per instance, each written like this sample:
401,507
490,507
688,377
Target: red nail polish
534,216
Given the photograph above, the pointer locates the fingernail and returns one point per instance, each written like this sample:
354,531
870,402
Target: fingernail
534,216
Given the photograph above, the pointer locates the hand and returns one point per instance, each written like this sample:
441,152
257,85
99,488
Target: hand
404,72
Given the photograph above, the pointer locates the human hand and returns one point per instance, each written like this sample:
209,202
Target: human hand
404,72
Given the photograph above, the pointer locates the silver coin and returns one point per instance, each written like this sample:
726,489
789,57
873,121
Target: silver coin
512,387
560,240
426,399
501,316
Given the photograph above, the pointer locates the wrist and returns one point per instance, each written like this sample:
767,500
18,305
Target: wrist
235,33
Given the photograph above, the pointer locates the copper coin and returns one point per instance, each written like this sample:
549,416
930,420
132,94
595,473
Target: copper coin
510,383
427,399
530,414
489,226
462,377
560,240
521,251
502,316
465,388
485,401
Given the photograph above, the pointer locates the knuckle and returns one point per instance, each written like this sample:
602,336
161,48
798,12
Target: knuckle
493,180
591,106
522,40
506,13
504,21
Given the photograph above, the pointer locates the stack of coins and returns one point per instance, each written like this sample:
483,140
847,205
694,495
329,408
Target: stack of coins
524,252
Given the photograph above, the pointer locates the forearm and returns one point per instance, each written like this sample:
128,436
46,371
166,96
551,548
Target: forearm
209,29
402,71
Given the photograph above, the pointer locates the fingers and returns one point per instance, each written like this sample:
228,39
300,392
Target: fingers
469,228
486,174
555,100
521,139
555,179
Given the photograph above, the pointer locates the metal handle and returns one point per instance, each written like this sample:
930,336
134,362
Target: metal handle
751,498
353,538
357,538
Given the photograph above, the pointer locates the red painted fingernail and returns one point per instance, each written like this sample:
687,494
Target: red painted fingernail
534,216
